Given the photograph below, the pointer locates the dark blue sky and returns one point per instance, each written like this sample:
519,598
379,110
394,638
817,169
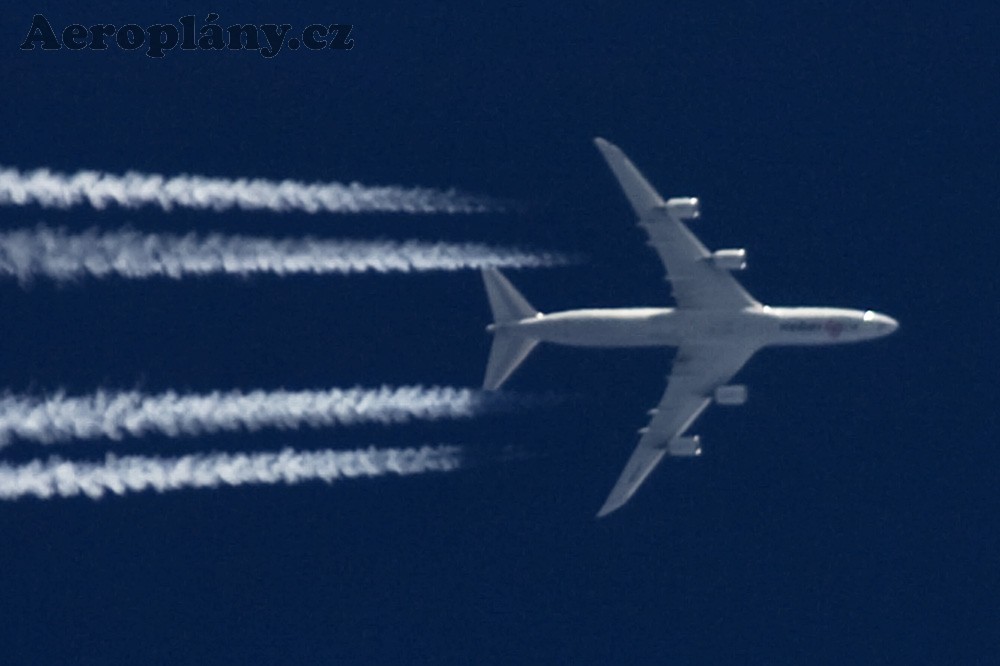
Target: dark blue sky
846,514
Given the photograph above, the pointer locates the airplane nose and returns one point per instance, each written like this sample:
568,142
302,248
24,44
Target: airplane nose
888,324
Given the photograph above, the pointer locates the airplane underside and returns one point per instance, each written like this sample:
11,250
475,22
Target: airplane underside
716,327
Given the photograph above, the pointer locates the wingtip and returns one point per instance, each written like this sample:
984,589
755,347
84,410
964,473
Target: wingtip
608,507
609,150
603,144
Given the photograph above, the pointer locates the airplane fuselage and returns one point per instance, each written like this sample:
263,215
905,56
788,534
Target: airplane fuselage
671,327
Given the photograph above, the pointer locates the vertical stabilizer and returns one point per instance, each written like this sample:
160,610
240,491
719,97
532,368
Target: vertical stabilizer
510,346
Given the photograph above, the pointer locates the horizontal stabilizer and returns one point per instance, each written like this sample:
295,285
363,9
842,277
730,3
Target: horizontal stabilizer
506,301
509,351
510,346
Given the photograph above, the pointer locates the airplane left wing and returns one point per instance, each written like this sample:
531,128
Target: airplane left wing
697,371
695,282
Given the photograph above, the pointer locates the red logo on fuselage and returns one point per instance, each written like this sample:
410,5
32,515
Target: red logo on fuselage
833,327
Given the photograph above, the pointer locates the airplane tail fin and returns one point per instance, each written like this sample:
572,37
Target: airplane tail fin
510,346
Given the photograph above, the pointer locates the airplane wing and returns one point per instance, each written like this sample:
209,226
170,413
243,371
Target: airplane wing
695,281
697,371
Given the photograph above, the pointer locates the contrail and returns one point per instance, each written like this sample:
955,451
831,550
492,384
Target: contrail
115,415
60,255
56,477
133,190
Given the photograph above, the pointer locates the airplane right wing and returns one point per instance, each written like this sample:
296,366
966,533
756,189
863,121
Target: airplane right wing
698,370
695,281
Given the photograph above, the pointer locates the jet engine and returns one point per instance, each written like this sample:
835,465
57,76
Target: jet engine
732,395
685,446
684,208
730,260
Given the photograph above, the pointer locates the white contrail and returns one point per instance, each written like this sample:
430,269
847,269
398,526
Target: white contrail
116,415
56,190
56,477
60,255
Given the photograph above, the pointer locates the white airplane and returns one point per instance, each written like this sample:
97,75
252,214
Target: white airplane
717,326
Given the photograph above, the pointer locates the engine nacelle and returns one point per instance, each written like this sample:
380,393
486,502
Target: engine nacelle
684,208
731,395
685,446
730,260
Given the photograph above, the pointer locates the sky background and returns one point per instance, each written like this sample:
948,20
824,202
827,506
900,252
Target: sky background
847,513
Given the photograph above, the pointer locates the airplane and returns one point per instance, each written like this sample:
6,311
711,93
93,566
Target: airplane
716,326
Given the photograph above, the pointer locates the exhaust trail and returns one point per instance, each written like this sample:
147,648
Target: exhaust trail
59,255
133,190
119,414
56,477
